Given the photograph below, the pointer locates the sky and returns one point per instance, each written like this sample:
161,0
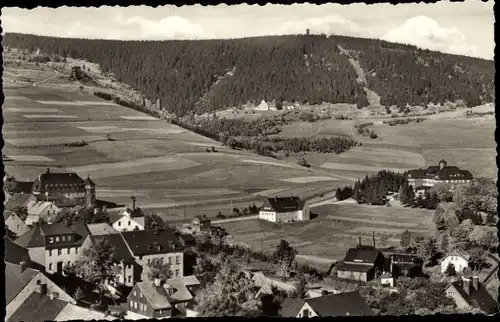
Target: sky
464,28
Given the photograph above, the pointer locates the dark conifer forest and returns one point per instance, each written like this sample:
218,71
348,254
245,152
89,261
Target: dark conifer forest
298,68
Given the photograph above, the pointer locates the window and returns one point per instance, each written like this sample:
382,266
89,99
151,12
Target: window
177,259
50,266
306,313
176,273
119,223
68,250
59,252
140,295
51,240
129,279
17,226
76,250
135,294
50,252
57,239
135,305
129,222
149,261
63,238
69,263
169,260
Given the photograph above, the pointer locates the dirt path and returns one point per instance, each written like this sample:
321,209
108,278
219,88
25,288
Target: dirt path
317,259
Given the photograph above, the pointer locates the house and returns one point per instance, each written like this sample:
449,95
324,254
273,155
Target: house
438,174
147,246
101,229
469,293
263,106
70,185
129,219
202,225
25,287
341,304
14,223
361,264
387,279
122,257
459,259
160,299
284,210
45,210
421,190
405,264
20,201
54,245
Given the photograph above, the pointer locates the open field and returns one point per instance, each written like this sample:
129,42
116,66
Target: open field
335,229
129,153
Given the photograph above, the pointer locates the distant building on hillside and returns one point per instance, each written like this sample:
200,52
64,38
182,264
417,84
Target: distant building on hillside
284,210
363,263
132,218
69,185
438,174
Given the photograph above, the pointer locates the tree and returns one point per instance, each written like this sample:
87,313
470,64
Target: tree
230,293
302,162
445,217
427,250
477,259
384,240
301,289
67,217
443,191
450,270
285,255
205,269
96,265
79,294
480,196
405,239
154,222
485,237
159,269
460,235
96,217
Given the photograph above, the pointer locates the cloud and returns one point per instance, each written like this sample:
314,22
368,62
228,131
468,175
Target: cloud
121,27
329,25
425,32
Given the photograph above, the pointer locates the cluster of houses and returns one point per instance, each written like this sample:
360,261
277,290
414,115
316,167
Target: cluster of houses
366,263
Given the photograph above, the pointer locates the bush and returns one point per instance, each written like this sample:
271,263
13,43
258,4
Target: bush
302,162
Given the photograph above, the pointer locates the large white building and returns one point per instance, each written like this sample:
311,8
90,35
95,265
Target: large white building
441,173
284,210
459,259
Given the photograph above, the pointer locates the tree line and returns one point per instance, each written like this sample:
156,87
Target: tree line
295,68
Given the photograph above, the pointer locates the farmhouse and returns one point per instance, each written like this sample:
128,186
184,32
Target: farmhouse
161,299
44,210
70,185
14,223
438,174
459,259
342,304
284,210
363,263
147,246
129,219
469,293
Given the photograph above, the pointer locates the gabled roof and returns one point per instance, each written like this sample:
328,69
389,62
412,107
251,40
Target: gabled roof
38,307
354,267
60,178
148,242
14,253
446,173
341,304
290,307
362,255
181,293
156,296
16,279
7,214
479,298
25,187
137,212
122,252
285,204
39,207
35,237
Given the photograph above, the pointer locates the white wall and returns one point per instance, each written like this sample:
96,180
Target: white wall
306,307
126,223
167,258
459,263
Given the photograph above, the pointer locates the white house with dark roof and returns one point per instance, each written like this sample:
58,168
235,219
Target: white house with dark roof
459,259
14,223
471,293
442,173
129,219
286,209
45,210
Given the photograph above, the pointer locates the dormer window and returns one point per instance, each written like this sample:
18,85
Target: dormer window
51,240
57,239
69,238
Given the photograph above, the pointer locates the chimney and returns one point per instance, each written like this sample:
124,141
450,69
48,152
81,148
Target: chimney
373,240
475,282
359,243
467,285
133,203
157,282
42,288
48,170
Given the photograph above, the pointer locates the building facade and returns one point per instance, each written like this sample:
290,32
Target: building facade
281,210
458,259
441,173
14,223
132,218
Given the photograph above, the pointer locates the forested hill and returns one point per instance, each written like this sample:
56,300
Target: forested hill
302,68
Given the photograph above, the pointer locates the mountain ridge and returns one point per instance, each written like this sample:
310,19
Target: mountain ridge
296,68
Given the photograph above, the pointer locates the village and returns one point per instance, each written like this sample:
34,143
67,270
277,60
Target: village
66,252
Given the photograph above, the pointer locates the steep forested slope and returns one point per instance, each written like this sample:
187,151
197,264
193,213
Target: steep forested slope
281,68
